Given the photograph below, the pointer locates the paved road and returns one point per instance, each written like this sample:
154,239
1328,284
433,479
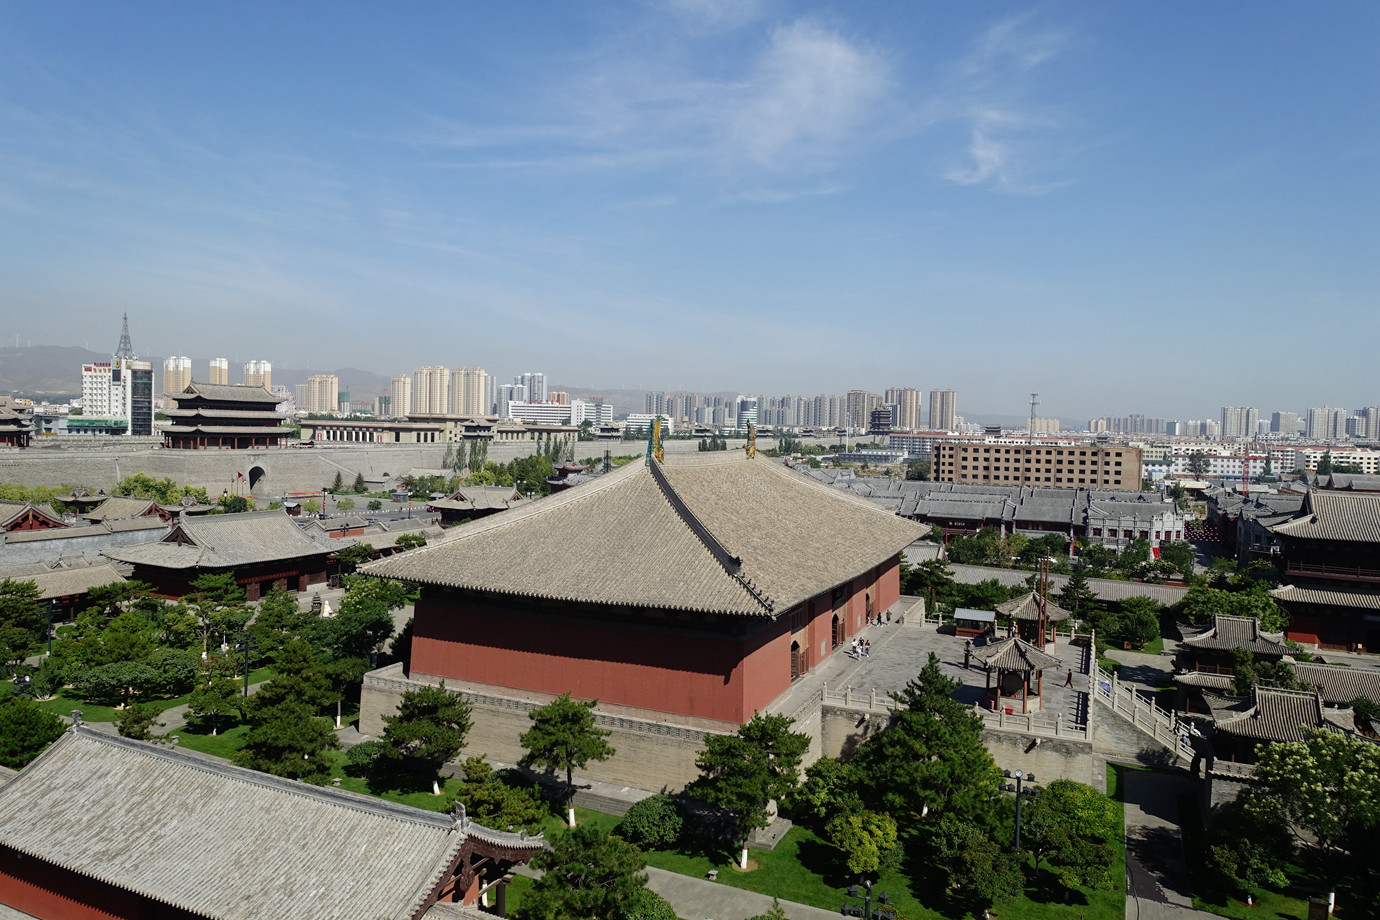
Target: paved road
1156,874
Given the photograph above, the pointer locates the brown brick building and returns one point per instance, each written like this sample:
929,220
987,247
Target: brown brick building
1088,466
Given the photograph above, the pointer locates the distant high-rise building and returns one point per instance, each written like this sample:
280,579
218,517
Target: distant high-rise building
219,371
535,385
747,411
859,406
595,411
467,388
943,410
510,393
1285,423
908,402
177,375
258,374
121,388
431,390
1326,424
400,396
560,397
323,393
1239,421
1372,416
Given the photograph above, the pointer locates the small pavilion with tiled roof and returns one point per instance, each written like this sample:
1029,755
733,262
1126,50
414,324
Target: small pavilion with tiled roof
16,426
701,587
1028,610
101,826
1019,670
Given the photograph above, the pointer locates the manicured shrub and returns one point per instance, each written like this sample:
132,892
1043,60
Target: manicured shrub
653,824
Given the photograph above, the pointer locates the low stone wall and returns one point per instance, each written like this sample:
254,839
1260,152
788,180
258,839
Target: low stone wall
651,754
843,730
1048,758
75,542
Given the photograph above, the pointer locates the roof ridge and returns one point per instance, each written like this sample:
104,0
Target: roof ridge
732,564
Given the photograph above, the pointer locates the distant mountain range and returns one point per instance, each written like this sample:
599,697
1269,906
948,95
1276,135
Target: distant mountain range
53,372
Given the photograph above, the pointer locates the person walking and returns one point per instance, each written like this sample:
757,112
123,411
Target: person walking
1068,681
967,653
867,648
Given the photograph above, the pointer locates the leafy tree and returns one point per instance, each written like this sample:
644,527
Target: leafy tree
374,505
313,506
1325,789
429,729
115,684
1325,464
352,557
286,740
113,599
918,470
980,870
359,487
175,671
931,756
25,730
164,491
22,620
744,772
1248,672
217,602
174,625
234,504
343,673
1247,850
1137,622
933,580
587,875
646,904
563,736
491,798
829,787
1197,464
1077,598
345,504
300,678
867,838
654,823
1180,555
411,541
1199,604
214,700
364,621
277,621
139,721
1071,825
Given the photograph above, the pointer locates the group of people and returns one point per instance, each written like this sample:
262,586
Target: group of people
862,648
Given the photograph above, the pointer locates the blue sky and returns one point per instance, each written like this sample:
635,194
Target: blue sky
1153,207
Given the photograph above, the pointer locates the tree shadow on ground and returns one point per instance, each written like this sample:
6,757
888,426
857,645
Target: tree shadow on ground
826,861
1043,886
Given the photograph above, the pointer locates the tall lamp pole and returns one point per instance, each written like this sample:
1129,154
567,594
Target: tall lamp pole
53,606
1016,787
246,645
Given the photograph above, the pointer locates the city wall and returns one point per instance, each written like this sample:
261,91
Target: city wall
288,469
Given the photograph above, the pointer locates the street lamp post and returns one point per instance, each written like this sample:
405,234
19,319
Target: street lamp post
53,606
1016,787
246,645
863,892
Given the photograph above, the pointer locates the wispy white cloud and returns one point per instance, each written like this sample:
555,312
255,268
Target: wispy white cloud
1011,133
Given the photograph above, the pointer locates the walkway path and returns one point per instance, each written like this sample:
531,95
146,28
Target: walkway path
1157,885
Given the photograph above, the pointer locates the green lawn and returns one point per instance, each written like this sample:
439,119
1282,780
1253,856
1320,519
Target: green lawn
67,699
224,744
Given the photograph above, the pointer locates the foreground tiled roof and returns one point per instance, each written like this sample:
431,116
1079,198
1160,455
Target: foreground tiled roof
222,842
225,540
708,534
1027,607
1347,517
1227,633
1015,654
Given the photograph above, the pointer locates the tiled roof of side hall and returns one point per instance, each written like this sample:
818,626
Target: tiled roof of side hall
1277,715
1015,654
224,392
223,842
1346,517
224,540
1227,633
705,534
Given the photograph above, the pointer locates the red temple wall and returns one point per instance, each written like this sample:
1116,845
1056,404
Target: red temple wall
703,675
36,888
717,677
